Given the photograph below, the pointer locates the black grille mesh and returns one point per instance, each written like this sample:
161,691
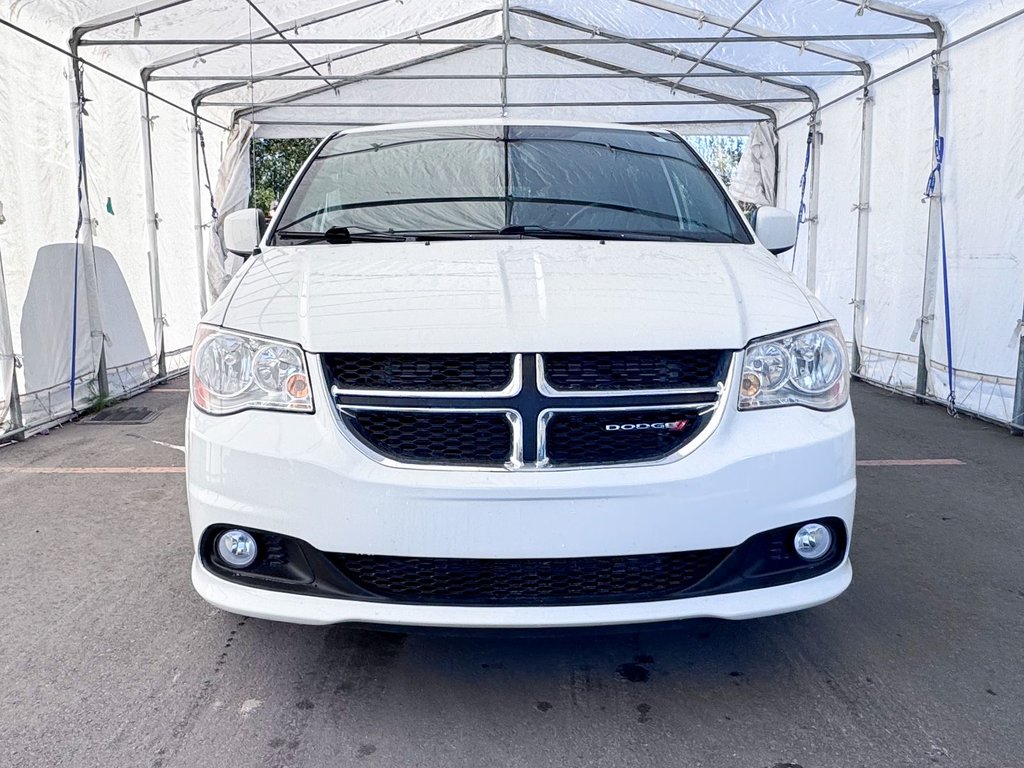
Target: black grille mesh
618,371
478,439
529,582
584,438
420,373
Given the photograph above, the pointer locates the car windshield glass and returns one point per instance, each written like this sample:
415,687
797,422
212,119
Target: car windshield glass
510,180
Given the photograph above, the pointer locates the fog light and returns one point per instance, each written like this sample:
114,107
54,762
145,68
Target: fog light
812,541
236,548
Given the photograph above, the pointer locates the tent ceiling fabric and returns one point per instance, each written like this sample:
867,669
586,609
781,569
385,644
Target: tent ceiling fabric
693,62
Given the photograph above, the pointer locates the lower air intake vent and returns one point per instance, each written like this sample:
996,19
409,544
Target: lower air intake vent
557,581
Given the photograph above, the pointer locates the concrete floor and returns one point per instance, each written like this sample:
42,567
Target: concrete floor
108,658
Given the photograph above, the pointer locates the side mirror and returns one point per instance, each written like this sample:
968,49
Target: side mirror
776,229
243,231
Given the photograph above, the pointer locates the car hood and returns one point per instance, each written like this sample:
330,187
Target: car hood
529,295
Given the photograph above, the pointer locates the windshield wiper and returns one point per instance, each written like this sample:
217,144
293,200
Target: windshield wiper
537,230
341,236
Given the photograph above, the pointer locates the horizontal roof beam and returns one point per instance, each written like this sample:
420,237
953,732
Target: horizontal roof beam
531,43
511,76
898,12
337,124
490,104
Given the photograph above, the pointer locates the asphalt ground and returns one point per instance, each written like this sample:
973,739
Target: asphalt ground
108,658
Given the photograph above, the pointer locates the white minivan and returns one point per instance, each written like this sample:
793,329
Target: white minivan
509,373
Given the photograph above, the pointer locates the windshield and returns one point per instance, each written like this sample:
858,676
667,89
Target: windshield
505,180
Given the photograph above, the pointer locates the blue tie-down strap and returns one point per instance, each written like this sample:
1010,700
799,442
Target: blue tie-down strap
802,210
935,183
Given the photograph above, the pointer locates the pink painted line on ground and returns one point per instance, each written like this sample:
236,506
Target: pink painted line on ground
92,470
910,463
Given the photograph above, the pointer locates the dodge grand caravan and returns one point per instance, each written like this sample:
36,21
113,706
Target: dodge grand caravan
516,374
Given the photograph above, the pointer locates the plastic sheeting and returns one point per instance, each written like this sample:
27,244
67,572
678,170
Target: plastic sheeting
868,255
231,194
754,179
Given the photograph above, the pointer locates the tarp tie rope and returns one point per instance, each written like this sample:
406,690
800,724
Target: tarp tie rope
933,190
802,210
206,170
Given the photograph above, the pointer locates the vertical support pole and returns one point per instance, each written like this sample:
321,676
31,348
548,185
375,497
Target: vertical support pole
1017,418
933,254
812,203
13,404
506,35
197,212
152,224
87,246
863,217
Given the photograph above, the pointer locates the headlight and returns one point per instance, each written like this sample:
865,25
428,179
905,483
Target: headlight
233,371
806,367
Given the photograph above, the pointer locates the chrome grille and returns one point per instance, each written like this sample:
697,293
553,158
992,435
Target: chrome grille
460,411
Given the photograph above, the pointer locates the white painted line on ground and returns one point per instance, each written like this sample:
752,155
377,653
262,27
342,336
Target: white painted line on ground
169,445
910,463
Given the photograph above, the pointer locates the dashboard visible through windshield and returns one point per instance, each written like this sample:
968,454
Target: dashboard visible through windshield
517,180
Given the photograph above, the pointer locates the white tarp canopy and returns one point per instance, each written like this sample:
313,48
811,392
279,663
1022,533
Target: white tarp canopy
126,133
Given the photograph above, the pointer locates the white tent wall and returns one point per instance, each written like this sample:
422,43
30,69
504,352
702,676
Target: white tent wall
984,207
839,180
898,241
37,187
984,211
38,182
113,139
180,278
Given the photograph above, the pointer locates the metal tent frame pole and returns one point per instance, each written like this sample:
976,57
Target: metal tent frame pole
338,80
1017,417
812,202
87,247
863,208
933,254
197,212
152,237
13,404
527,43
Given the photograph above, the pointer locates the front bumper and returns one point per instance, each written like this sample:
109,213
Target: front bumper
303,609
300,476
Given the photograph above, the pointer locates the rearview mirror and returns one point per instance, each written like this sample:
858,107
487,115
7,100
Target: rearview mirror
243,231
775,228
